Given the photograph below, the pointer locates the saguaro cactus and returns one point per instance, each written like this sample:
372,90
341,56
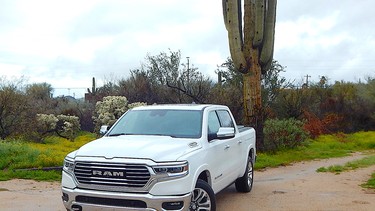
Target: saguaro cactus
251,46
256,34
92,94
93,90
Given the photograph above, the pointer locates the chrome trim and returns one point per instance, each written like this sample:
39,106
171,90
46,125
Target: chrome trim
135,178
153,202
125,182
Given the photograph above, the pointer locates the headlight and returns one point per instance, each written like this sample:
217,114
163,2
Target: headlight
68,166
172,170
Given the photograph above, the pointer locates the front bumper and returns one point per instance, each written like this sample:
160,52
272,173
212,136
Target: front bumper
79,199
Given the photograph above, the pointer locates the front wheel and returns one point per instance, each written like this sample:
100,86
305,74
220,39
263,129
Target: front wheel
203,197
245,183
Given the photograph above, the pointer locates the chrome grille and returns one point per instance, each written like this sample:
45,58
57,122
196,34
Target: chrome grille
112,174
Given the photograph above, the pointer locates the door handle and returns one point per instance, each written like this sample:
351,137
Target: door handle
240,141
226,147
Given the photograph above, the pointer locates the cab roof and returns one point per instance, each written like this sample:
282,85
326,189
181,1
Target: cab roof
176,106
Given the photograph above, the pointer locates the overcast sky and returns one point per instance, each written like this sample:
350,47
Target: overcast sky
66,43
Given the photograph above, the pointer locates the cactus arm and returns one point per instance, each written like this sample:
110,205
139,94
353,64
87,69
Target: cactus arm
259,22
269,34
93,85
233,23
225,8
248,27
266,66
93,90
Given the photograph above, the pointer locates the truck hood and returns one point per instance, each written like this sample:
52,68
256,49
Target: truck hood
156,148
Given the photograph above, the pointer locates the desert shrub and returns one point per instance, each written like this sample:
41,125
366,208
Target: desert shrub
68,126
46,122
108,111
15,108
328,124
136,104
63,125
283,134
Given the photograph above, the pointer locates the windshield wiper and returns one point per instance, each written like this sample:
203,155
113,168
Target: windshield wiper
124,134
121,134
162,135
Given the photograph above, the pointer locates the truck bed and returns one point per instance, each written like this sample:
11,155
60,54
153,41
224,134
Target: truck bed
242,128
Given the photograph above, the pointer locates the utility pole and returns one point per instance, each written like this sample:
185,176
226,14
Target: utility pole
307,79
188,70
187,62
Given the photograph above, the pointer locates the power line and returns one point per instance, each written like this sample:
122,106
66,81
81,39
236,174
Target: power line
71,88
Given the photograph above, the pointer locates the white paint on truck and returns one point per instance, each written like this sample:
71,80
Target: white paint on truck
161,157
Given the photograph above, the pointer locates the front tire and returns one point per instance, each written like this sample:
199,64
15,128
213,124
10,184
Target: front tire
245,183
203,197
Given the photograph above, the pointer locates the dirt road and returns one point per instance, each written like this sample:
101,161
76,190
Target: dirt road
300,187
295,187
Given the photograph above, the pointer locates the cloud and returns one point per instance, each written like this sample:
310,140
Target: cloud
325,38
66,43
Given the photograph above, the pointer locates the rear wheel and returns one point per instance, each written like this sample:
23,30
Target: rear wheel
203,197
245,183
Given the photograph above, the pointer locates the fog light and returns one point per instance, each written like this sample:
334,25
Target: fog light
76,208
175,205
65,197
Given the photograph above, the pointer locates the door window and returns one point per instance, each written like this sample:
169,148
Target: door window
213,123
225,118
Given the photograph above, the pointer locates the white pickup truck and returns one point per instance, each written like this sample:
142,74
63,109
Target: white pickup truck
161,157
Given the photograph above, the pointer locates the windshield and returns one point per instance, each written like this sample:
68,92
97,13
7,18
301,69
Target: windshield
164,122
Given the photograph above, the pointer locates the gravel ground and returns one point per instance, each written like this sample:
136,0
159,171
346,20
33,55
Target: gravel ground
294,187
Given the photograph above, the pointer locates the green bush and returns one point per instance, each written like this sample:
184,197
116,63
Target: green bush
20,158
283,134
17,155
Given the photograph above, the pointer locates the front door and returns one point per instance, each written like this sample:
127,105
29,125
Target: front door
222,153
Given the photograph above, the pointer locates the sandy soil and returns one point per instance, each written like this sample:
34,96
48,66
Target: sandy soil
294,187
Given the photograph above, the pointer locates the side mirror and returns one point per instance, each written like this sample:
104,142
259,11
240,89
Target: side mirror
104,129
225,132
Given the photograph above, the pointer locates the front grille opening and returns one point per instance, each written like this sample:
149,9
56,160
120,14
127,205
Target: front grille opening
111,202
112,174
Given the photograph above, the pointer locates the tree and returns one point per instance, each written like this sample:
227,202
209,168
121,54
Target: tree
272,84
251,46
291,103
39,91
40,96
230,75
72,107
138,87
14,108
228,90
185,84
109,88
